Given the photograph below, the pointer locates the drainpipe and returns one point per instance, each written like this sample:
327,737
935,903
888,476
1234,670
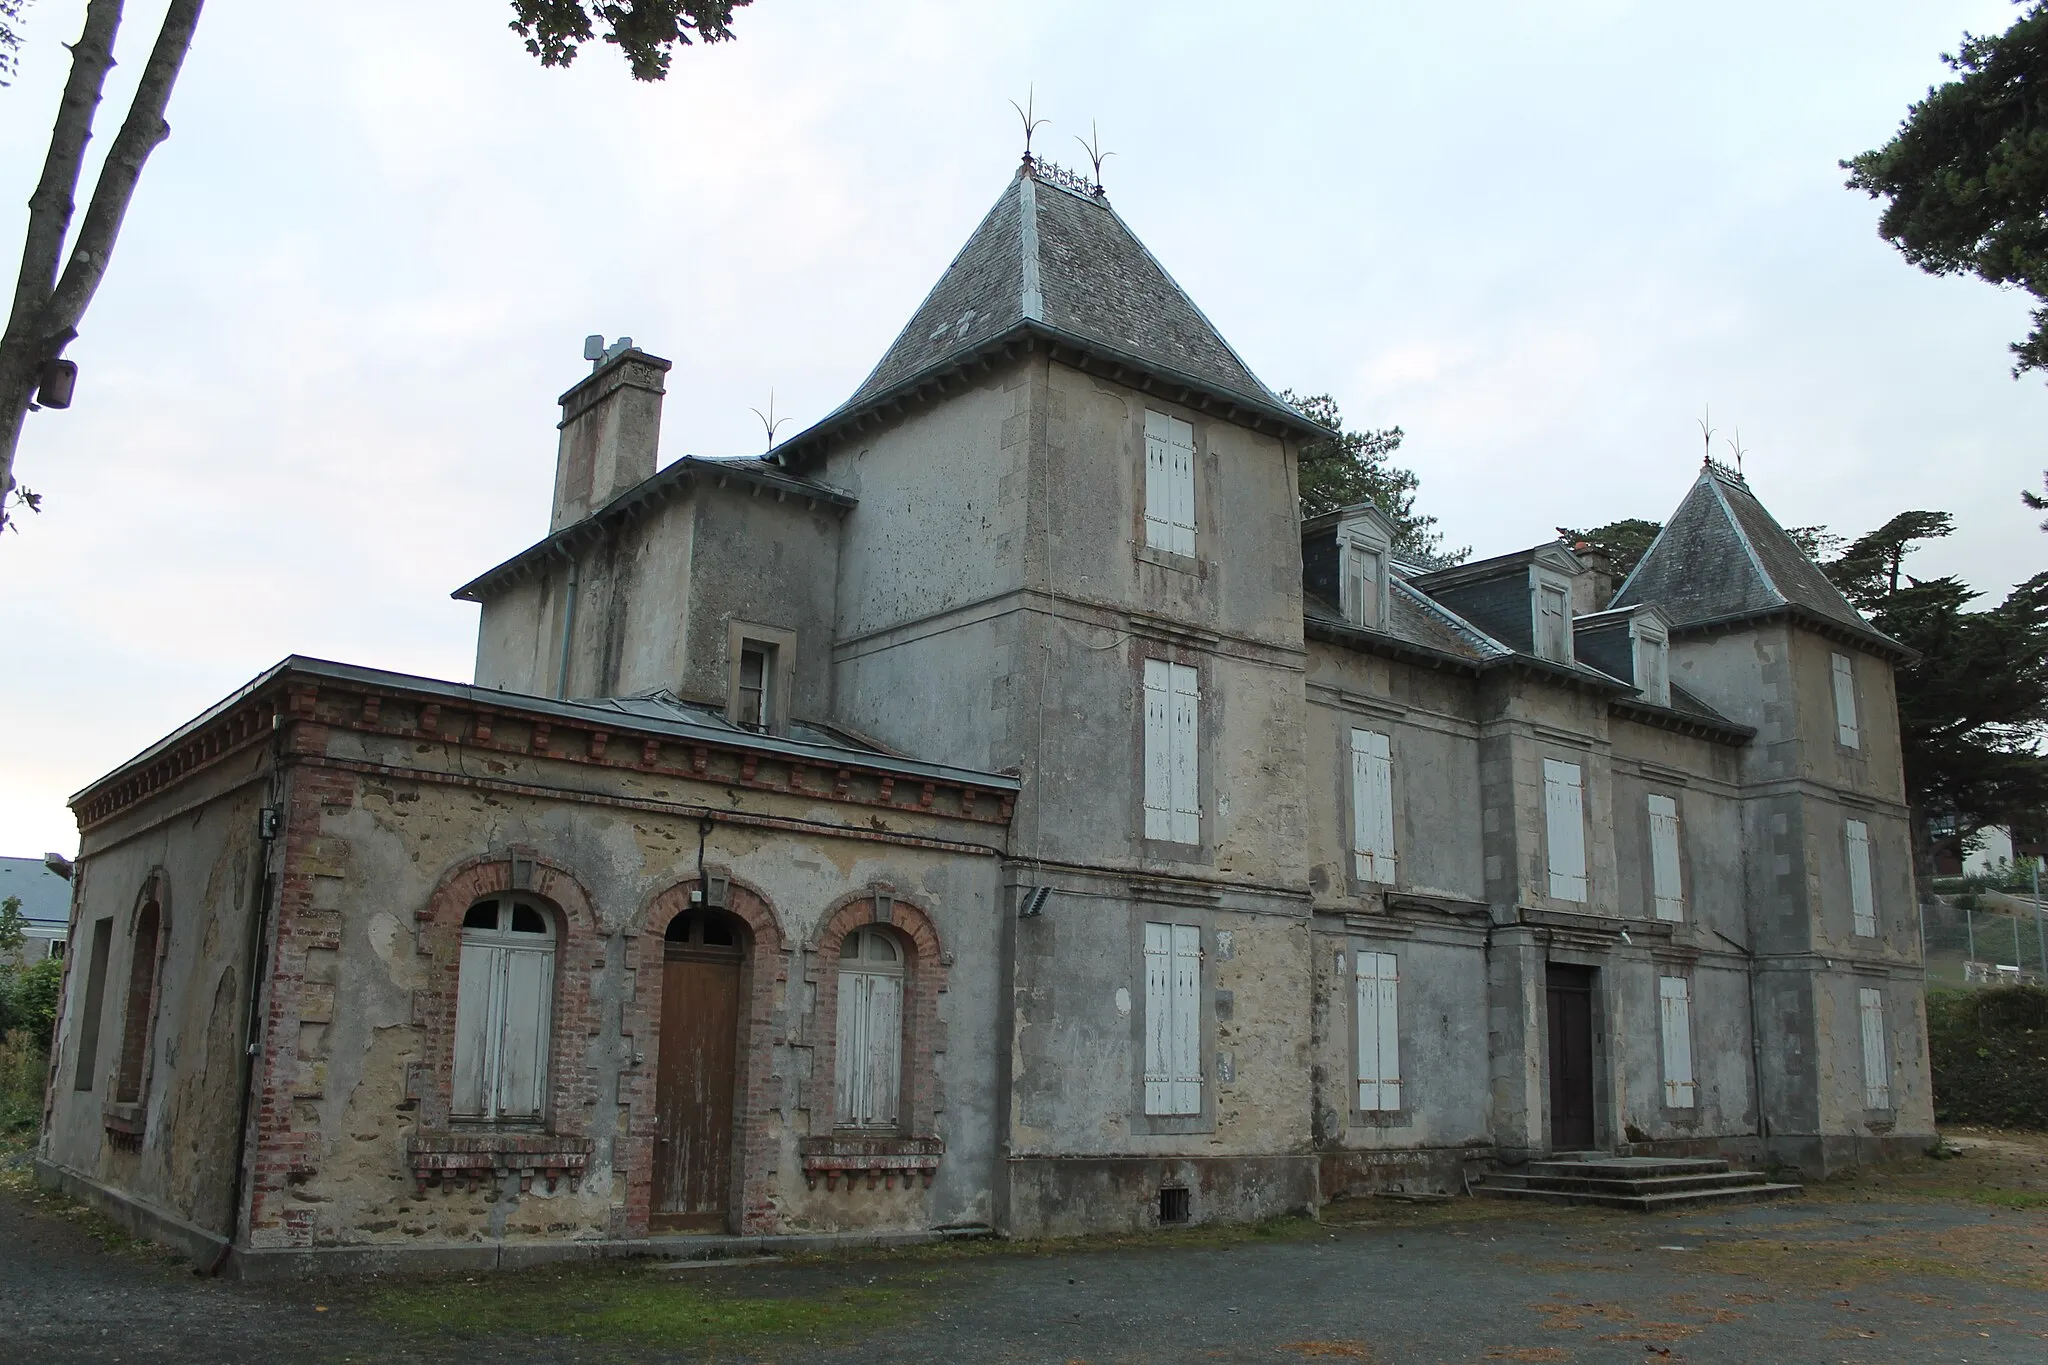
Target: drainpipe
1756,1052
269,822
568,626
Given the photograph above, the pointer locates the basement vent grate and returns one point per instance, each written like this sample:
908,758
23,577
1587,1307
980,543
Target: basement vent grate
1175,1206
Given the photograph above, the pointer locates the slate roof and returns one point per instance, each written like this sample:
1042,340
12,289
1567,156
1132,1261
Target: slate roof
45,896
1723,558
1052,260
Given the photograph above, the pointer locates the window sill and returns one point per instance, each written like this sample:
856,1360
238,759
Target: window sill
473,1156
881,1157
1382,1118
1167,559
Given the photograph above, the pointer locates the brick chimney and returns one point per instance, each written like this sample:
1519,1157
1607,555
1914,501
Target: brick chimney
611,425
1595,588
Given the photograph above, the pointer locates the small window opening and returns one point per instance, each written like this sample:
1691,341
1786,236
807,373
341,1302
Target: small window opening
482,915
753,708
1176,1204
527,920
700,928
1553,636
141,1007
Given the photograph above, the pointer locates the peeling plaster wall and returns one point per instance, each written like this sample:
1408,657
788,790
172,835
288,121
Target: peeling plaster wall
346,1045
206,858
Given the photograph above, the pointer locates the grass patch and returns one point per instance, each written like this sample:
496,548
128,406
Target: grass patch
627,1304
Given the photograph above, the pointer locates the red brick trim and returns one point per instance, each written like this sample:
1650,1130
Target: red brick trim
579,959
755,1106
923,1034
127,1120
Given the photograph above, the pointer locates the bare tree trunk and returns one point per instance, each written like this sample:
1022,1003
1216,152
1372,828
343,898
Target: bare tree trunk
47,308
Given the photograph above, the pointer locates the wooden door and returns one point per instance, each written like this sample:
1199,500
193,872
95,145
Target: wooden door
697,1073
1570,991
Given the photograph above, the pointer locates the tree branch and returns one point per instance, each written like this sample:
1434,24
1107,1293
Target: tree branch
144,129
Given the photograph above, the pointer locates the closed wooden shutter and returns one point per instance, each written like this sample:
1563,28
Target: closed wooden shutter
883,1059
1665,884
1376,1007
1372,806
528,978
1187,1019
1158,749
1877,1074
1553,633
1564,812
1173,1019
1158,1018
1862,903
1674,997
1169,484
1846,729
1158,489
852,1046
1187,797
475,1031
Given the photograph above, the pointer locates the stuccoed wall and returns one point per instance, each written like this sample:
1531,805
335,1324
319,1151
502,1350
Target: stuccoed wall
209,860
388,845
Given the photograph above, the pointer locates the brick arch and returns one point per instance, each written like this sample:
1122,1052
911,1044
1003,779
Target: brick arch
923,1036
579,957
141,996
766,971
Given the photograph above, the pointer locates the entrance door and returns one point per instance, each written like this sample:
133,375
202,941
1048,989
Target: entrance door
1571,1057
693,1091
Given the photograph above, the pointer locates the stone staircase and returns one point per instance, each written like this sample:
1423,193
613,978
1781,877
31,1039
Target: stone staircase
1643,1183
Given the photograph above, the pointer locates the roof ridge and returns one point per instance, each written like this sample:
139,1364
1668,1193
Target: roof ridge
1742,536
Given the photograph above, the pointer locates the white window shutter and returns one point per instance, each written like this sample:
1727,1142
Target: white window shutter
883,1059
1158,1018
1186,1042
1372,806
1674,997
852,1045
1181,450
1187,796
1847,731
1667,887
1877,1075
1158,489
1564,811
1158,749
529,977
1862,903
1376,1008
476,984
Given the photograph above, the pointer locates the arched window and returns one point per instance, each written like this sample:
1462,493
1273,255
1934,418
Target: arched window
870,1050
141,1005
503,1011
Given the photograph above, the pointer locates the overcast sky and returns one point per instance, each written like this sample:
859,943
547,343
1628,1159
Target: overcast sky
317,391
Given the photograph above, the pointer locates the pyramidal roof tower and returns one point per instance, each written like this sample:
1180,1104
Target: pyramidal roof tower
1052,264
1723,560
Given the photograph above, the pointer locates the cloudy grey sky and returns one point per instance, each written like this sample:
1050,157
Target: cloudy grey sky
317,390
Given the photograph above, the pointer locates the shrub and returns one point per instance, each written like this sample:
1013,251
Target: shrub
24,1066
1989,1050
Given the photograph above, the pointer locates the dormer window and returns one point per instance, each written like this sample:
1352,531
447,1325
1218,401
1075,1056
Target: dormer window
1653,663
761,670
1553,621
1365,584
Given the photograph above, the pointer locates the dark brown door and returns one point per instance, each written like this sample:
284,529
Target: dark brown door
1571,1057
693,1091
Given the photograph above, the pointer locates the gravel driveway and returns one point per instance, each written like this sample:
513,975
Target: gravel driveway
1848,1275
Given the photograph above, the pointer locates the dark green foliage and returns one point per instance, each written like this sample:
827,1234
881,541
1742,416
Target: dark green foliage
10,39
1357,466
2036,500
1989,1050
28,1000
1974,706
1625,542
646,32
1966,177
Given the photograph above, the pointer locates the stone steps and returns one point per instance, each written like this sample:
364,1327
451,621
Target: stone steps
1645,1184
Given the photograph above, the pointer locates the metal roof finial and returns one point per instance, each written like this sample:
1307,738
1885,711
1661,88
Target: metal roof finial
1736,446
769,421
1707,434
1031,124
1093,146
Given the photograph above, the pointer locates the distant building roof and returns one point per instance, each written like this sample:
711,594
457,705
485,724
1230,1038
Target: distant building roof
45,896
1723,559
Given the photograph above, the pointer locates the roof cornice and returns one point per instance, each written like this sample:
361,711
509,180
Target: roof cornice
1873,640
1032,337
667,484
430,711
